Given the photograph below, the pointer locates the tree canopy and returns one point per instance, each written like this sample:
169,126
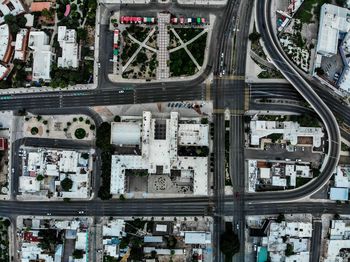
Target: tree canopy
229,243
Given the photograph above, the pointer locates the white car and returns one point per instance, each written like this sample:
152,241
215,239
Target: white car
48,214
81,212
121,92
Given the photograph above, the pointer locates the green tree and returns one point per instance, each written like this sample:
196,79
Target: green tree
85,155
122,197
254,36
82,34
289,250
117,119
204,121
229,243
103,136
78,254
280,218
66,184
39,177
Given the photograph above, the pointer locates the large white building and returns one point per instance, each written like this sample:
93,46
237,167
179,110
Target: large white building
54,165
159,140
335,26
339,238
290,131
42,55
297,234
67,38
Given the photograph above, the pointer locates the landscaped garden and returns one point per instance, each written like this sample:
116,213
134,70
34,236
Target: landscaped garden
197,48
129,48
143,66
4,239
181,64
138,32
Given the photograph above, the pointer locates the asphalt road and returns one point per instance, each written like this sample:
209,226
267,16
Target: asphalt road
285,66
316,240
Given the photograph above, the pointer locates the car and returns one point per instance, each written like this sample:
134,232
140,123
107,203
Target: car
99,65
222,55
48,214
121,92
81,212
223,72
237,226
302,148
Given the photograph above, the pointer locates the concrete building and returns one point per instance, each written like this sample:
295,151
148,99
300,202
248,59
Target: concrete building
159,140
42,55
6,50
340,191
44,170
67,38
339,241
276,173
333,39
297,234
21,44
13,7
290,131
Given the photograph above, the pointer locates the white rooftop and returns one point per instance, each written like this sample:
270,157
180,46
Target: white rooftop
13,7
342,176
290,131
42,55
20,44
333,20
125,133
193,134
156,152
31,251
68,42
114,228
4,40
28,184
197,237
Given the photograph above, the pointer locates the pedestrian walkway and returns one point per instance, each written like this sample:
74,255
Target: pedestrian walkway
163,70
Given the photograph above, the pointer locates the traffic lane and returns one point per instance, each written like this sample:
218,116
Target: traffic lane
28,103
314,100
316,241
